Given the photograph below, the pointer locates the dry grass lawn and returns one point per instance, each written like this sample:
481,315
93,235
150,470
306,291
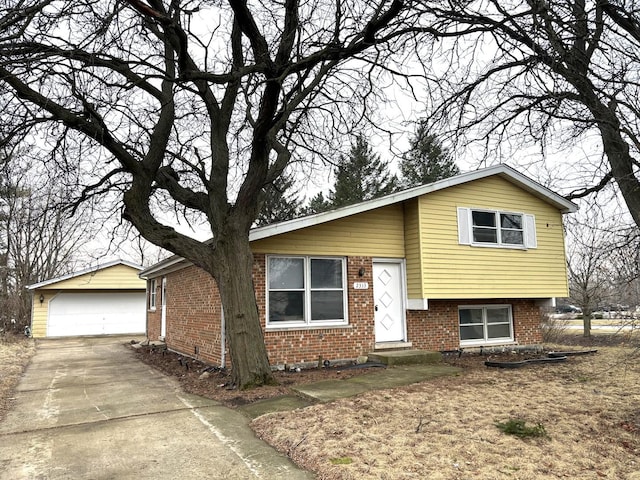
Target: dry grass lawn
15,353
445,429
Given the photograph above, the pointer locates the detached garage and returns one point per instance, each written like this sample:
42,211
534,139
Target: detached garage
109,299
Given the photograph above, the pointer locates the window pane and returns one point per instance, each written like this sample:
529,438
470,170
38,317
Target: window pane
326,273
498,315
485,235
513,237
470,315
509,220
483,219
327,305
286,273
471,332
286,306
499,331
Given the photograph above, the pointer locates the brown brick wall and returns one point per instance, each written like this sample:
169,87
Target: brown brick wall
437,328
193,315
154,316
194,320
528,329
338,343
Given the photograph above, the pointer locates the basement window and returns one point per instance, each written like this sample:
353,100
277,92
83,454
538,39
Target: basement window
306,291
485,324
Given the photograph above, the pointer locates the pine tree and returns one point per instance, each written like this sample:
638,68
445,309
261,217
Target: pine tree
317,204
279,202
426,161
361,176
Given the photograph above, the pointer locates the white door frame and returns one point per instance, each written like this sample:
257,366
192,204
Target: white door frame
403,299
163,309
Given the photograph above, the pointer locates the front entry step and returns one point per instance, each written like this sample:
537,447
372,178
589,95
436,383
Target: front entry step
406,357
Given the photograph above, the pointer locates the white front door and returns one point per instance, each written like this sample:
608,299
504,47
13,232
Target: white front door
388,294
163,315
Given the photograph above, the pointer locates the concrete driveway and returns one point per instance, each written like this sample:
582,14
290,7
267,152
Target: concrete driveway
87,409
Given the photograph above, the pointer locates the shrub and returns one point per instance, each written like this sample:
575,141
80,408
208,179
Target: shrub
553,329
519,428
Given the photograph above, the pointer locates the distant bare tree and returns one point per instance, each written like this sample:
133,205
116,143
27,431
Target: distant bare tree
589,248
38,237
625,264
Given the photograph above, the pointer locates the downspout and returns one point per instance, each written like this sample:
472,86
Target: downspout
223,342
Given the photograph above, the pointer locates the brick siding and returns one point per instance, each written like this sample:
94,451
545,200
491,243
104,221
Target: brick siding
154,316
437,328
194,320
193,310
295,346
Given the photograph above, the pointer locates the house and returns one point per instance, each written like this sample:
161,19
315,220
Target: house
463,262
104,300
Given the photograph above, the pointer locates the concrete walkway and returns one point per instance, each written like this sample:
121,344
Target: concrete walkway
87,409
330,390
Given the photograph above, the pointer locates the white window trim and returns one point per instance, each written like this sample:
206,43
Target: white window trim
153,294
465,229
308,323
484,340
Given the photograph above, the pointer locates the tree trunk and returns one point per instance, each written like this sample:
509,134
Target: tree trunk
586,322
229,260
243,330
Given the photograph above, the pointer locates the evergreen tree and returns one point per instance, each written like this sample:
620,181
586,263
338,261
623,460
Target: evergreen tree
361,176
317,204
427,161
279,202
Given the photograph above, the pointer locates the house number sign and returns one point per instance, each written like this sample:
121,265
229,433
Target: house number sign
360,285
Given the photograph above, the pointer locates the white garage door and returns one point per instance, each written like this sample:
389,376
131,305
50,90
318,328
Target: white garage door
96,314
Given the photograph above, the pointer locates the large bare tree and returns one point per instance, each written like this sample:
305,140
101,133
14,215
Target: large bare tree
192,108
553,73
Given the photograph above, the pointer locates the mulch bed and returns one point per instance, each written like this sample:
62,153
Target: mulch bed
201,379
214,383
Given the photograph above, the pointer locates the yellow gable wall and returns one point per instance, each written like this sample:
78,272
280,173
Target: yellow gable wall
378,233
451,270
115,277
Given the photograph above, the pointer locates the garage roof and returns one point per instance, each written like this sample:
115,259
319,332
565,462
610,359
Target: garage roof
90,270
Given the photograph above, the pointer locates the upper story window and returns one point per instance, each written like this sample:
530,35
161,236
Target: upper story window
152,294
494,228
498,228
306,291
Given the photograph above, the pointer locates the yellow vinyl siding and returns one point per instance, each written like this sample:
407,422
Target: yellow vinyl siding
115,277
451,270
413,249
40,312
377,233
